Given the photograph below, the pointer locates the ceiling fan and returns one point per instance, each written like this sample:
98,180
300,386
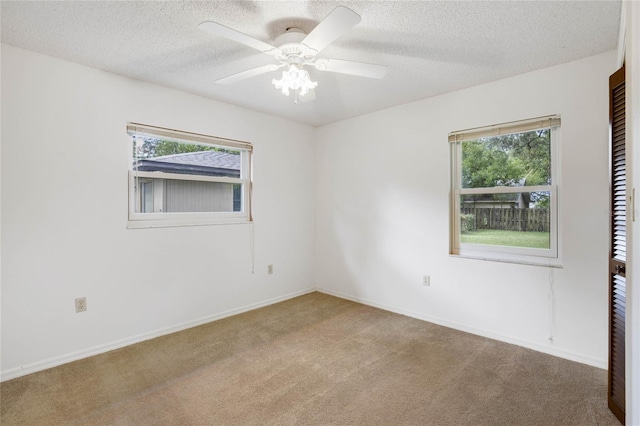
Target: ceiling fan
294,50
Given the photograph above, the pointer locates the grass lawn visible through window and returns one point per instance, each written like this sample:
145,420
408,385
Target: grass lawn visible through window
496,237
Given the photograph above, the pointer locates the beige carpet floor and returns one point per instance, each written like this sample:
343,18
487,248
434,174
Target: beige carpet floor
313,360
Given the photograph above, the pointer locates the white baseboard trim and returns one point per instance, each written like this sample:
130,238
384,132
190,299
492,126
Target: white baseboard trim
96,350
484,333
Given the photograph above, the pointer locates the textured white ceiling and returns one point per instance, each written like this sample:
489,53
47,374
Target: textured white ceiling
430,47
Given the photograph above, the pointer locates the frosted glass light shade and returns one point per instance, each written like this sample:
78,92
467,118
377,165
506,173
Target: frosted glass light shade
296,79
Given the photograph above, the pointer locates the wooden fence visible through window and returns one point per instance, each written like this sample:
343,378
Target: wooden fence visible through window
525,220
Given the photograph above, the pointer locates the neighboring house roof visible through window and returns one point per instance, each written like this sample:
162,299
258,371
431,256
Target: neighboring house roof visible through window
205,163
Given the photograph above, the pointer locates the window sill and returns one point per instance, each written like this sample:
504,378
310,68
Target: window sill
543,261
146,224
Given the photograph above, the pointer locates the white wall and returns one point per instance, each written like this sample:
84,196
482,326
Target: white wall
379,205
382,187
64,210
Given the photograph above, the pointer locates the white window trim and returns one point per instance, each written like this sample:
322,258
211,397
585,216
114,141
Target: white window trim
159,220
545,257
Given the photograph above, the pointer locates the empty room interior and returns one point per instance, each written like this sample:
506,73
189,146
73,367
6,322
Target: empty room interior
320,212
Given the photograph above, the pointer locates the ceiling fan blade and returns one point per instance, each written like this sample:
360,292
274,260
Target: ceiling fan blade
248,74
360,69
338,22
226,32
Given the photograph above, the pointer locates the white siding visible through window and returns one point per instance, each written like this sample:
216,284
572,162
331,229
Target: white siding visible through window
191,196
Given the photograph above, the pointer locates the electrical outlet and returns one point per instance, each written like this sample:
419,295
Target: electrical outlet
81,304
269,269
426,280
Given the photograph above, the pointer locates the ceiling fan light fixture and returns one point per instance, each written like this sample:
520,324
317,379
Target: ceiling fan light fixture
296,79
295,49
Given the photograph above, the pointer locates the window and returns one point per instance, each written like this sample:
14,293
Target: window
504,197
180,178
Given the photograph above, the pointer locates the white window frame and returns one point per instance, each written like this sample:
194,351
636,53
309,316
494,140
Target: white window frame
533,256
162,219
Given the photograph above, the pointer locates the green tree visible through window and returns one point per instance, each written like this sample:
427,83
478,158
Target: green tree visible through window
512,160
151,147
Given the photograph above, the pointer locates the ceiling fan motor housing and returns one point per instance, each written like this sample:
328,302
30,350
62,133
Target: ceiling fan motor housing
291,49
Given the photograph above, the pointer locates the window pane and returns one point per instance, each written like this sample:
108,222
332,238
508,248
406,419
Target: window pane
184,196
514,220
237,198
521,159
157,195
155,155
146,195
